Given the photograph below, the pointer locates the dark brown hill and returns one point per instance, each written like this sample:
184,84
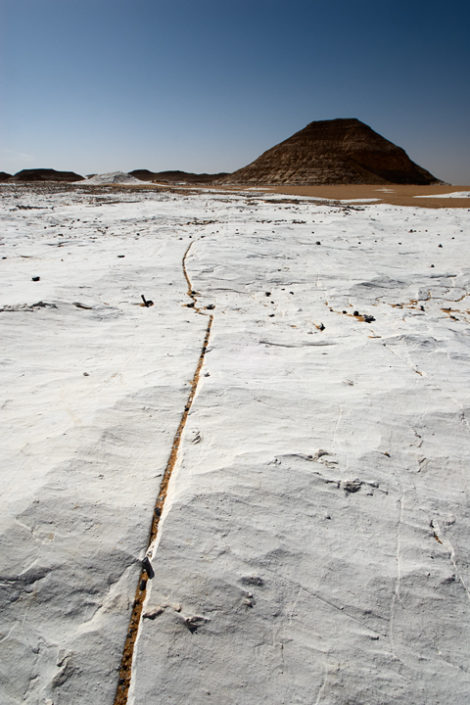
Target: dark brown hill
342,151
45,175
4,176
174,176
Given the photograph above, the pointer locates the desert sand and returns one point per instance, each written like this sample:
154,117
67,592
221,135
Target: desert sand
394,194
273,457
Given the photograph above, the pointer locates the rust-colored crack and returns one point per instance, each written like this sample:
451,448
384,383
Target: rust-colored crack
125,671
450,312
358,316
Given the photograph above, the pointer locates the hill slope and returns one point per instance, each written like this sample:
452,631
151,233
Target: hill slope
341,151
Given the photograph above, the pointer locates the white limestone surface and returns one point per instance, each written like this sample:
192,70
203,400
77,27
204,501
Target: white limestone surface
454,194
113,177
314,543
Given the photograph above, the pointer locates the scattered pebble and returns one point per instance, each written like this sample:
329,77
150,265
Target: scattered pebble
351,486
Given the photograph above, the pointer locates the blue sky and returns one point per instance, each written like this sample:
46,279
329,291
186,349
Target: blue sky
206,85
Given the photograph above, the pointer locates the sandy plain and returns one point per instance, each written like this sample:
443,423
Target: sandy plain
312,540
393,194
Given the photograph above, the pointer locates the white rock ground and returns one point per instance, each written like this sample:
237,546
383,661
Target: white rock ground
314,546
456,194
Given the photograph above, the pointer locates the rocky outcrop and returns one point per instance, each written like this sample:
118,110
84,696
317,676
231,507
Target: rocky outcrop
175,176
341,151
112,177
45,175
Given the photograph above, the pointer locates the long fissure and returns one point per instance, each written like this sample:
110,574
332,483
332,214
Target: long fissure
125,671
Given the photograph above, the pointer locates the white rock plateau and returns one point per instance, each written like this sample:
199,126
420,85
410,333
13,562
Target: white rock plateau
314,544
455,194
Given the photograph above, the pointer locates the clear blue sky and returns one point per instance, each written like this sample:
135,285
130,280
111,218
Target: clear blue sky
208,85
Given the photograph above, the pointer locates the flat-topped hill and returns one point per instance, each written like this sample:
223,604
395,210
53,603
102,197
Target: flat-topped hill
341,151
176,175
45,175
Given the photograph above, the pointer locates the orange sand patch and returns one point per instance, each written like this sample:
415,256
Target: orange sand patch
398,195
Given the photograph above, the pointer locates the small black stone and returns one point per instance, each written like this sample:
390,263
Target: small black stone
35,279
147,566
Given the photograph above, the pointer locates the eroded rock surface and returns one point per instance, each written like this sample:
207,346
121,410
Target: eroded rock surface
313,546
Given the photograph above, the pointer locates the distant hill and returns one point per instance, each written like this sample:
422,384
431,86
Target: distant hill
4,176
341,151
174,176
45,175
